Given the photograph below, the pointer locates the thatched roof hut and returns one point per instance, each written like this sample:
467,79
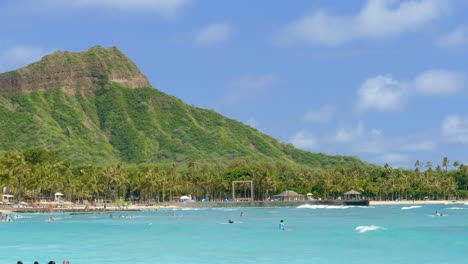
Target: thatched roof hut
290,196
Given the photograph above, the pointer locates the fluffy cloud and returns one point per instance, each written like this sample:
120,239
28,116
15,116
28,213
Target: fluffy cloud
213,34
324,114
377,19
15,57
455,129
165,8
304,140
248,87
454,39
381,93
358,139
385,94
439,82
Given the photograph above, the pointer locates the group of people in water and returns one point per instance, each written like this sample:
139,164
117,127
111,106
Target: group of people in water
230,221
7,218
121,216
280,227
50,262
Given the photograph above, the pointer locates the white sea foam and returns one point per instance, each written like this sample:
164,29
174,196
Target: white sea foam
190,209
315,206
456,208
363,229
411,207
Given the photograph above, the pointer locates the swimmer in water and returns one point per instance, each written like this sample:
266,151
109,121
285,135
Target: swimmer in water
281,225
242,214
230,221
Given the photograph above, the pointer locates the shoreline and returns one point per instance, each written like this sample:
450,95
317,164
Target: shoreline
140,208
419,202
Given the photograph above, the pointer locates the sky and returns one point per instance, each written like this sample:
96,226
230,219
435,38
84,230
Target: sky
383,80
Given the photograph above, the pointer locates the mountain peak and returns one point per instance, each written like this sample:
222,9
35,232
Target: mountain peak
74,72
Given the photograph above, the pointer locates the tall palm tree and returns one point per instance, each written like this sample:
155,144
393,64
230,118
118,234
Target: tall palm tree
417,166
17,171
445,163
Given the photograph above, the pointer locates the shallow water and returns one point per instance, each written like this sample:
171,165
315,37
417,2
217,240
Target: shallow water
314,234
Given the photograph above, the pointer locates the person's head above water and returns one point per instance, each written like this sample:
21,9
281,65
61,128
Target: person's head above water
281,221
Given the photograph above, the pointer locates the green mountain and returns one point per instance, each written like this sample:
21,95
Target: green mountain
96,107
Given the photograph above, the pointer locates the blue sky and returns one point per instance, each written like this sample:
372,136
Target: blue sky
384,80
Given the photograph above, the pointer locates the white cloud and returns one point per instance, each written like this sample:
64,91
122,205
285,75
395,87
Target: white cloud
249,87
304,140
439,82
349,134
377,19
393,158
454,39
385,94
252,122
165,8
12,58
324,114
358,139
424,145
381,93
213,34
455,129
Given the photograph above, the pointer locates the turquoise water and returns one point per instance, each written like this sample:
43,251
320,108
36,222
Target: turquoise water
376,234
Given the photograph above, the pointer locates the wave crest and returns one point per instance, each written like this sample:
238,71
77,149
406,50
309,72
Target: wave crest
411,207
363,229
316,206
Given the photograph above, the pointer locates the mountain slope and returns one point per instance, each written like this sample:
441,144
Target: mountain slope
89,114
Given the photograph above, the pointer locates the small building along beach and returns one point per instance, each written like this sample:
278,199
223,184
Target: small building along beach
290,196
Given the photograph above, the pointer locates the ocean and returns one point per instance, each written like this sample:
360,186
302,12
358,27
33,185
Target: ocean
314,234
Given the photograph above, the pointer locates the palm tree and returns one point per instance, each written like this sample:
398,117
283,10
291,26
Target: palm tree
417,166
445,163
465,173
17,171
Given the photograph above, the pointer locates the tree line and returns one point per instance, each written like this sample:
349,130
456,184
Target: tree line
37,174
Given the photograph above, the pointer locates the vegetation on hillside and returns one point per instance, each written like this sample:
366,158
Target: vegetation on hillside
137,126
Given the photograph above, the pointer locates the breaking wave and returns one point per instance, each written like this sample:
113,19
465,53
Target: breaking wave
315,206
411,207
456,208
363,229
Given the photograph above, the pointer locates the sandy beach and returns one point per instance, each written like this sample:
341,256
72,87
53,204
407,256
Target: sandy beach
111,208
419,202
